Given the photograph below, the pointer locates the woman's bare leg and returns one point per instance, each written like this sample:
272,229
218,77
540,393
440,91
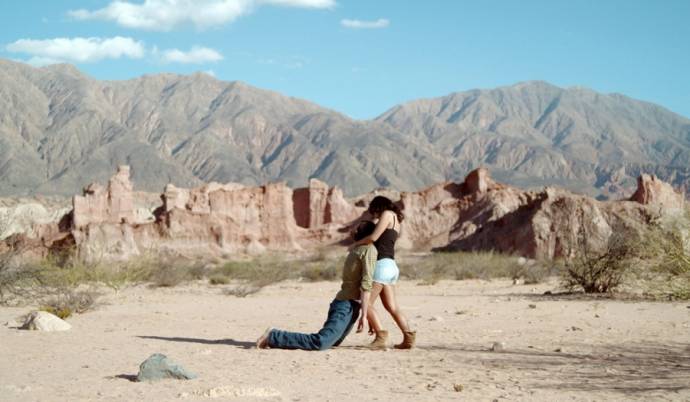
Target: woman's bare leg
372,316
389,300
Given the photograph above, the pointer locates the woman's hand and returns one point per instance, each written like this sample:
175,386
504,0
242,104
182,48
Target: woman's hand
360,324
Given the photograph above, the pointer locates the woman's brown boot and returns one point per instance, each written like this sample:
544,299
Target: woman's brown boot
409,338
380,340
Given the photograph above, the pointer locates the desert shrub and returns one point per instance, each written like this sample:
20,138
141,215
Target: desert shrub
69,302
321,270
431,268
604,270
218,280
242,290
168,275
667,251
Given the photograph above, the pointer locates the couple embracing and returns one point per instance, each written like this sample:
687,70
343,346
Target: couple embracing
369,272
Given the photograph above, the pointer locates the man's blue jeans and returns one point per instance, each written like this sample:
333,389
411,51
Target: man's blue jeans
342,316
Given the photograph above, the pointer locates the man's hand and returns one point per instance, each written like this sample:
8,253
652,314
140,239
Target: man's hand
360,324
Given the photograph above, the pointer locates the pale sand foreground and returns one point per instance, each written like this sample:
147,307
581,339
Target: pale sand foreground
610,350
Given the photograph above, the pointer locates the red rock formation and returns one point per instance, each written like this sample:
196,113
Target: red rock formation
478,214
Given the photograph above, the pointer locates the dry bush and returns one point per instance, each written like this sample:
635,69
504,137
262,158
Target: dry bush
600,271
666,251
242,290
218,280
321,270
69,302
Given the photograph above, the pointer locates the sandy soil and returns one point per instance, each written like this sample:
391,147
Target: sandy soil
556,349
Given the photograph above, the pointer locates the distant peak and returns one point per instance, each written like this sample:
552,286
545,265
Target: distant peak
64,68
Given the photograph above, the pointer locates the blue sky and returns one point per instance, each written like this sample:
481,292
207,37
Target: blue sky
361,57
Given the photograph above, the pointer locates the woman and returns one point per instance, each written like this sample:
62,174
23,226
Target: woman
386,272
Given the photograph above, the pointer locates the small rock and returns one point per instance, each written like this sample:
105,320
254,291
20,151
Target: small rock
548,293
521,261
532,306
158,367
596,315
458,387
518,281
558,350
44,321
574,328
436,318
498,347
13,324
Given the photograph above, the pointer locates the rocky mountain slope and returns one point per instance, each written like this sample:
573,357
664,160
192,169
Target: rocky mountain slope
61,129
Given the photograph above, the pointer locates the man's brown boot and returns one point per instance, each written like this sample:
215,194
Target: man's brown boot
380,340
409,338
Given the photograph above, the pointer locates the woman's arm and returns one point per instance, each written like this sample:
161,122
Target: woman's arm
384,221
365,310
368,266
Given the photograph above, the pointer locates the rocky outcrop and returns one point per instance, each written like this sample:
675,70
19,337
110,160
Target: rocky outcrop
114,204
652,191
225,219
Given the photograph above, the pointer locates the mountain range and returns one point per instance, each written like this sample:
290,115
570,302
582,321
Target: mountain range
61,129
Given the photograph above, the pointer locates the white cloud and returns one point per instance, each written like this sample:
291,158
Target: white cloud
360,24
79,50
164,15
197,55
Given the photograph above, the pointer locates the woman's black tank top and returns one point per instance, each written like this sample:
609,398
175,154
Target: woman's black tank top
385,245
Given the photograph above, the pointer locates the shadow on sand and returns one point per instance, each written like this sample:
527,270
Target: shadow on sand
624,368
230,342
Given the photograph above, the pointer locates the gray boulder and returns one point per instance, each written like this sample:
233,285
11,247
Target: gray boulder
159,367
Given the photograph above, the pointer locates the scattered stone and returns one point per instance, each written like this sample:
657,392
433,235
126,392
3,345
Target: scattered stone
532,306
596,315
558,350
13,324
458,387
461,312
44,321
548,293
521,261
518,281
436,318
498,347
158,367
574,328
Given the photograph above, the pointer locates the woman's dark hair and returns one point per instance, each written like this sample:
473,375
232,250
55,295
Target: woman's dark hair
381,203
364,229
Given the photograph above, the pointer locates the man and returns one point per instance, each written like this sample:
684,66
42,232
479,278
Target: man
344,309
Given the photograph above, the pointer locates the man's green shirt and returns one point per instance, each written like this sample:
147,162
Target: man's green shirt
358,272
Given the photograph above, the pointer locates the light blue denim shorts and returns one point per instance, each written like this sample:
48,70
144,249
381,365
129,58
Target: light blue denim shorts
386,271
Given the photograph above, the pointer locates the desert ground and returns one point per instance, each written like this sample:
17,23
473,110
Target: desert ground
556,348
